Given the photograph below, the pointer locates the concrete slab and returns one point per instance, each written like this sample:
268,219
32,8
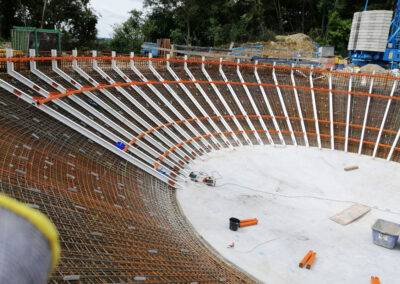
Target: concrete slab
293,191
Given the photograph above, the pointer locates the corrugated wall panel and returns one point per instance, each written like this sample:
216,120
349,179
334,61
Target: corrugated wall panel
370,30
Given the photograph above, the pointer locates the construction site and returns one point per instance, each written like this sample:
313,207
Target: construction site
264,163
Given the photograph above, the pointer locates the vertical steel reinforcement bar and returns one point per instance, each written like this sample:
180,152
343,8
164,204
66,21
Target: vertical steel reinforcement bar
164,114
228,109
239,126
177,113
211,105
132,100
283,106
346,142
384,118
254,106
145,111
296,96
184,105
271,112
75,126
371,86
315,108
331,112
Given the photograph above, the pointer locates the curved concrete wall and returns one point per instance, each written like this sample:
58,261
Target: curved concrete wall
99,144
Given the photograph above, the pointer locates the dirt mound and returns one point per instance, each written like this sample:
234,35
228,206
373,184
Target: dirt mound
5,44
300,42
370,68
296,41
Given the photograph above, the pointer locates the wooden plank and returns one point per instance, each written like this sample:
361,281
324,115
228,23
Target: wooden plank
352,168
350,214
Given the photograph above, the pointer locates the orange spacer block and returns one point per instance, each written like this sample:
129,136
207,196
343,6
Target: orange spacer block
311,260
305,259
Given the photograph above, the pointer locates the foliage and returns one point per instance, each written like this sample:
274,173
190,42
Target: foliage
217,22
196,22
74,18
128,36
338,31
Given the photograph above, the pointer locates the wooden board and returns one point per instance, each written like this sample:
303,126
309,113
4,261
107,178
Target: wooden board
351,168
350,214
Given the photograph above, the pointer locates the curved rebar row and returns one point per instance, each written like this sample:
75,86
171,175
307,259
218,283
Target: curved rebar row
98,144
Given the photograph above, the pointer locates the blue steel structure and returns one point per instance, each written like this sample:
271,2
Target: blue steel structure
391,57
147,48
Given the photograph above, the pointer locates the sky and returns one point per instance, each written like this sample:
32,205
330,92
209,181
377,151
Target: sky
113,12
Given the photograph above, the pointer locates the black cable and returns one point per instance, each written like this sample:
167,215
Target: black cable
306,196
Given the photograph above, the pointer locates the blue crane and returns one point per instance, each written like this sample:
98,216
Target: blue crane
390,58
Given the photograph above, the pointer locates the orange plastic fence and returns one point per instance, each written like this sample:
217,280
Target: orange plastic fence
121,58
274,131
53,96
252,116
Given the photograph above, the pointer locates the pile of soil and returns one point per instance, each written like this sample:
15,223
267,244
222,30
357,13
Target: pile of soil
296,41
5,44
370,68
300,42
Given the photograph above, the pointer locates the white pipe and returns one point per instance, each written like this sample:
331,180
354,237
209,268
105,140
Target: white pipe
173,109
271,112
254,106
384,118
130,112
210,104
315,109
160,111
146,112
331,112
83,117
296,95
190,112
75,126
348,115
283,106
366,115
235,120
227,126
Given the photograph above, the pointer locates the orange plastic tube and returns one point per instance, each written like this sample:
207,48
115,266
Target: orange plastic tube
249,223
310,262
247,220
375,280
305,259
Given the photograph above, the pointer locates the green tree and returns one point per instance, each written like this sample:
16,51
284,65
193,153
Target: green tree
74,18
218,22
338,33
128,36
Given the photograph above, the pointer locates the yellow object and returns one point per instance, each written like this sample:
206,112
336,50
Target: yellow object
337,60
39,220
15,52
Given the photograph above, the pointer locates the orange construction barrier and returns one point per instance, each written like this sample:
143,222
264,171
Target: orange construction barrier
248,222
